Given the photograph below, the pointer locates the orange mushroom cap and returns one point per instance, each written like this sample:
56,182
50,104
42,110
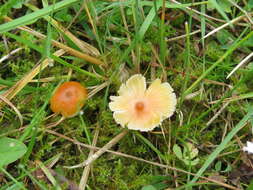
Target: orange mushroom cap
68,98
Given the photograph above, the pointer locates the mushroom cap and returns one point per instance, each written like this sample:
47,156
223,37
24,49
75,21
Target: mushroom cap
140,108
68,98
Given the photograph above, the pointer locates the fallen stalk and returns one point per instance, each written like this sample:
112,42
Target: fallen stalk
102,150
140,159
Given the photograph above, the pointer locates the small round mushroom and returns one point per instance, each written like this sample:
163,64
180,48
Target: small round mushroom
68,99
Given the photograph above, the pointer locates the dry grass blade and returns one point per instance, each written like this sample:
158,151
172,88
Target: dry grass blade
182,36
3,87
10,54
76,15
110,144
9,94
85,47
51,125
199,13
85,2
70,50
240,64
102,150
127,33
242,10
48,174
86,170
216,115
140,159
49,79
14,108
98,88
194,94
223,26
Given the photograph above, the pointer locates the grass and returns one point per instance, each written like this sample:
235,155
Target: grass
199,147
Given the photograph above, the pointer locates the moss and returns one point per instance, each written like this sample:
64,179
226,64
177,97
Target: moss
213,50
114,175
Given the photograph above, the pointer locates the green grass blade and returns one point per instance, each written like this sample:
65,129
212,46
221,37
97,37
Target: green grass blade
86,130
244,79
4,9
35,122
35,15
223,145
41,186
148,143
163,43
250,187
26,88
174,5
149,18
32,140
203,24
242,96
53,22
20,185
47,46
59,60
227,53
49,175
143,29
220,10
151,4
187,64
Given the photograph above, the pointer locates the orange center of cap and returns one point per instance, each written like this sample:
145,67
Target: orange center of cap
139,106
68,94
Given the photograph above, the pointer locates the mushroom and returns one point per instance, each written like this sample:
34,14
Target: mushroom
68,99
141,108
